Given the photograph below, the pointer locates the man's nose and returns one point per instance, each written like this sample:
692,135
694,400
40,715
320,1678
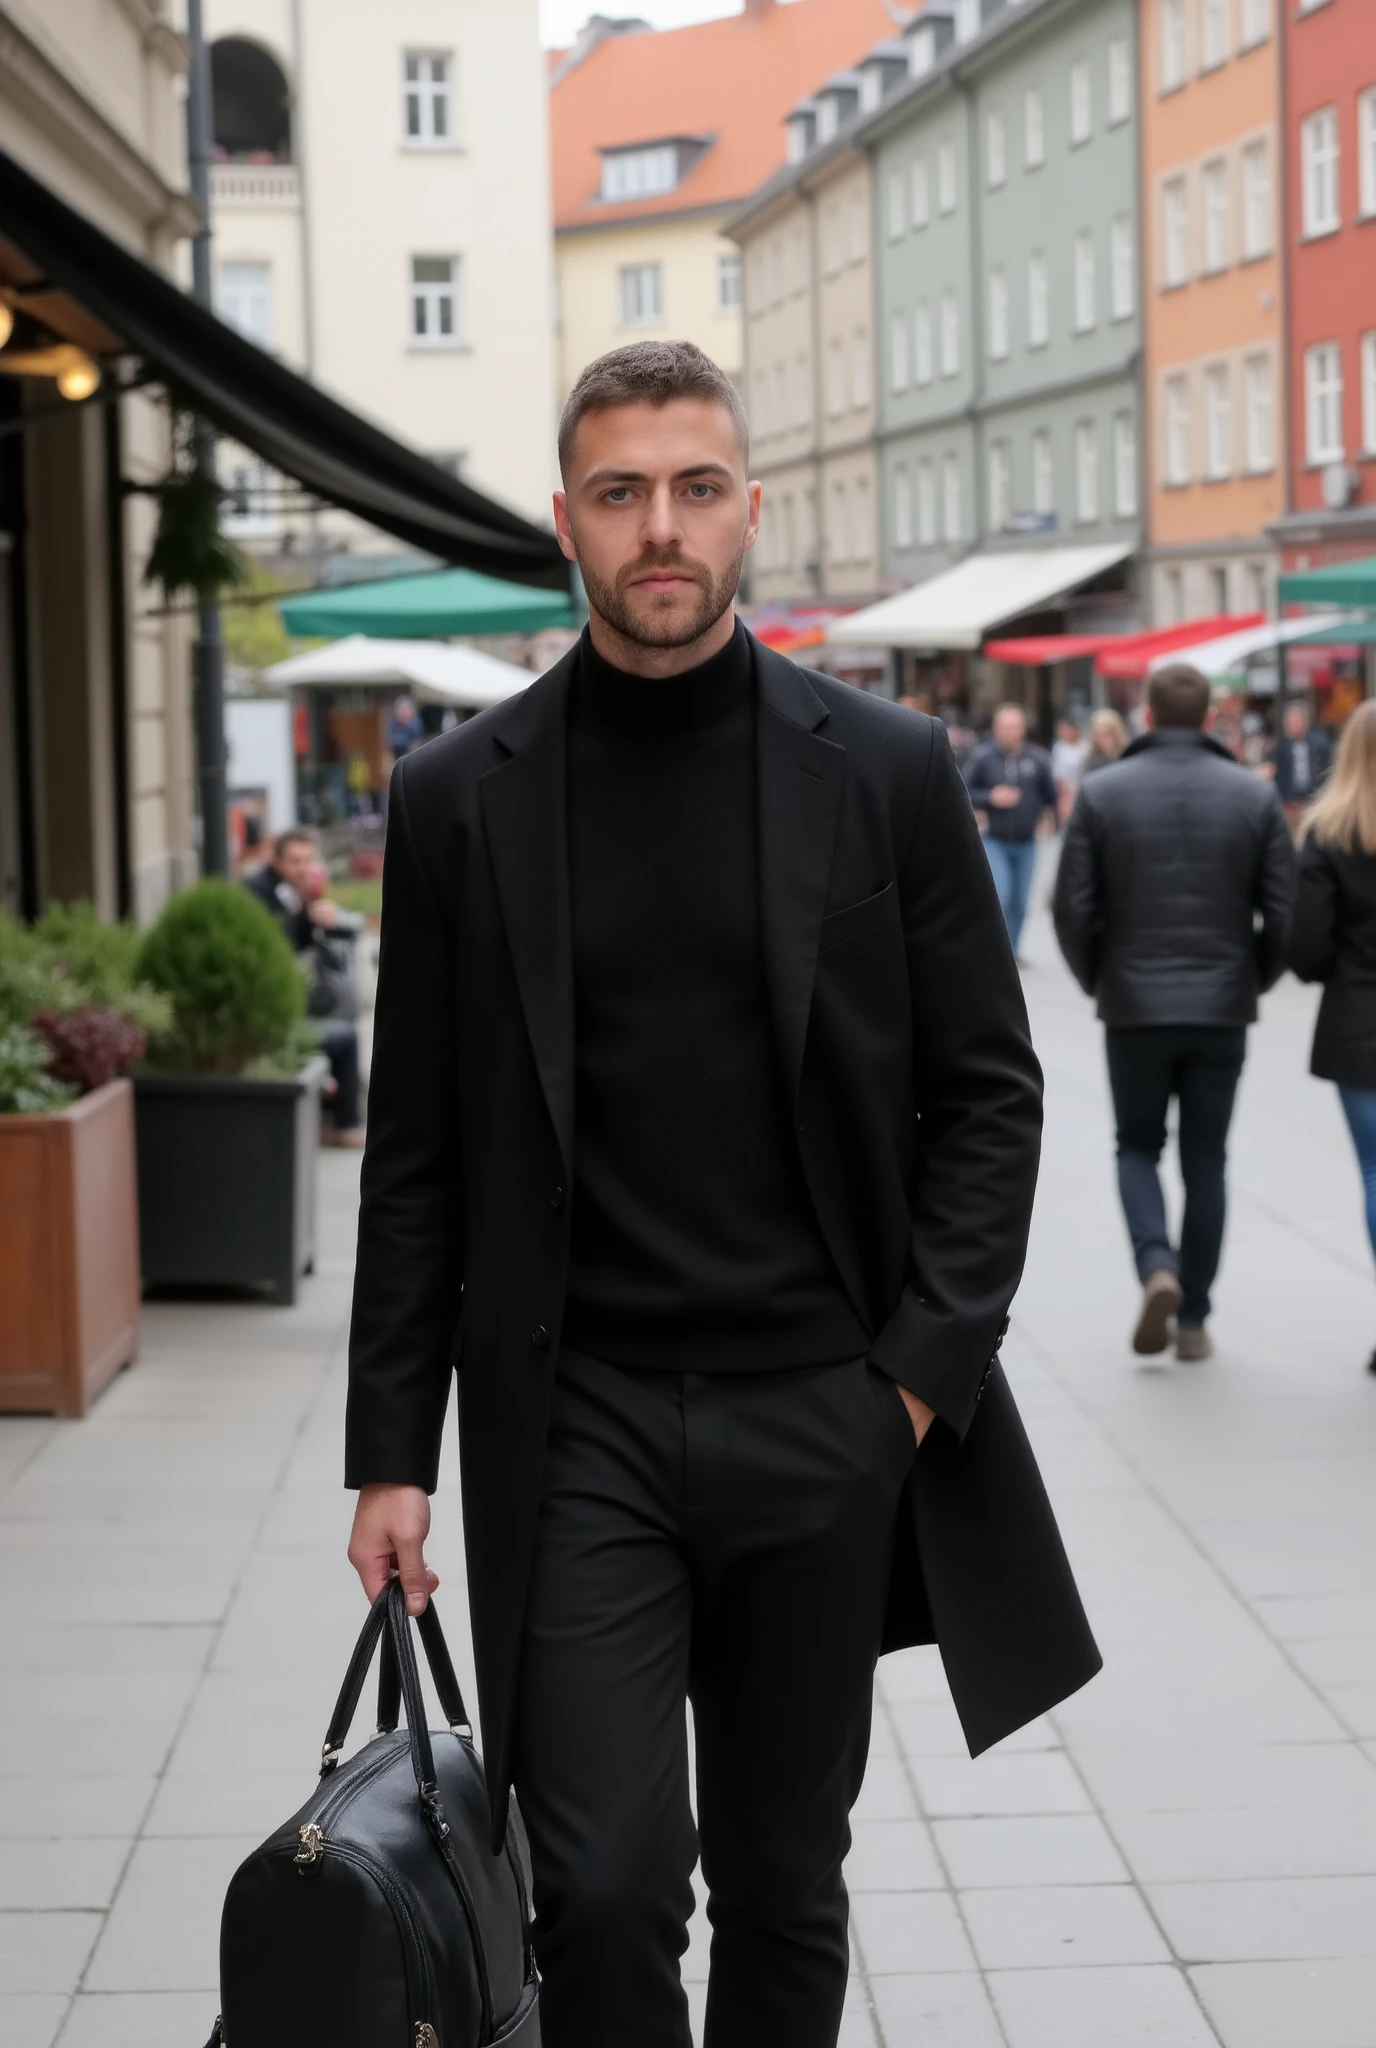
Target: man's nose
662,525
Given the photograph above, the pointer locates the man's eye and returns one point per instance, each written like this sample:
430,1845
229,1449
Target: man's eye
701,491
618,494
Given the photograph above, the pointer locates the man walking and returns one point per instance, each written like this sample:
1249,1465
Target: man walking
318,932
1301,763
1172,907
704,1127
1012,789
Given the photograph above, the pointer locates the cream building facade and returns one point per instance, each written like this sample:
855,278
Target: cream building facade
604,303
96,771
382,222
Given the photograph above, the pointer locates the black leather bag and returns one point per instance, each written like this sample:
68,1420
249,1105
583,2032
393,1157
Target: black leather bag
377,1916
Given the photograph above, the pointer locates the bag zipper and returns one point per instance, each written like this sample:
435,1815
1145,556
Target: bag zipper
424,2033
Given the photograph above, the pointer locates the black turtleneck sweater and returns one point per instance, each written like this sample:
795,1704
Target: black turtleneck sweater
694,1245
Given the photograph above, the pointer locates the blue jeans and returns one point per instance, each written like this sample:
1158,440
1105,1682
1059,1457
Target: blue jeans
1359,1107
1012,863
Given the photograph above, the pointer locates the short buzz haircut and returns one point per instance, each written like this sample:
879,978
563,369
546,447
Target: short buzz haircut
295,835
1178,695
649,373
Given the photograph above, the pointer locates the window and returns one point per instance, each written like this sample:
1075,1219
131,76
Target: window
1124,466
1033,128
1215,216
1123,267
788,533
1369,392
797,260
642,302
1173,597
902,507
1218,420
920,192
952,513
946,177
639,173
1256,22
1043,474
728,284
243,299
1366,144
1081,102
950,335
838,523
1086,472
1177,430
922,344
861,537
860,368
435,311
1213,33
898,352
1319,158
1218,592
897,212
1175,233
1261,404
1038,300
996,149
429,99
802,392
832,257
1086,312
998,315
1000,485
926,503
1258,588
776,273
760,411
1323,401
1172,45
858,220
968,20
1119,81
1256,201
836,377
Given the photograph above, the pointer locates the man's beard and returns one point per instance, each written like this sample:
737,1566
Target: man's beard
613,601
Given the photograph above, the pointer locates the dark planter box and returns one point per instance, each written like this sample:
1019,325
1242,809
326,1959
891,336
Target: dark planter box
227,1179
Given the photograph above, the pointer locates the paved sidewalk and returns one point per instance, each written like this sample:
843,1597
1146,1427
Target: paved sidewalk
1185,1854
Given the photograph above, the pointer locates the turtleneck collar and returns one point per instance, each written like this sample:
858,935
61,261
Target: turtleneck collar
651,707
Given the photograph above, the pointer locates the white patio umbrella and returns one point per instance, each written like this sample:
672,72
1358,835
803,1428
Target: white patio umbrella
425,669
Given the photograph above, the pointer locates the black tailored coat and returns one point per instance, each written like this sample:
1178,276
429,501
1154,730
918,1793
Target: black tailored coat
1176,883
905,1052
1333,940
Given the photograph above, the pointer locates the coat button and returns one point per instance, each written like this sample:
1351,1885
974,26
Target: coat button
539,1337
556,1200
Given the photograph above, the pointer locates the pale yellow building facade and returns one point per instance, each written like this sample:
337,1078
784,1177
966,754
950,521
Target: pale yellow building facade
695,295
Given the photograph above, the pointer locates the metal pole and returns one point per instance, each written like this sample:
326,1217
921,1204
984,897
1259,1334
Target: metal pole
208,653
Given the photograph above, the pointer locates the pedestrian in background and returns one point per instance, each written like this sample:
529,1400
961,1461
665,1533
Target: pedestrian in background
1068,754
1301,761
1169,858
1108,742
1333,939
1012,789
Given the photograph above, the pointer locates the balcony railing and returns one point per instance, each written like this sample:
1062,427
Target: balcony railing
266,187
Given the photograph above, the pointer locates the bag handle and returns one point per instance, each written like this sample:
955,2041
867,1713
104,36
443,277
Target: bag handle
447,1688
390,1684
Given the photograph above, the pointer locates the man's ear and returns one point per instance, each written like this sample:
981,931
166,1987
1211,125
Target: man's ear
563,531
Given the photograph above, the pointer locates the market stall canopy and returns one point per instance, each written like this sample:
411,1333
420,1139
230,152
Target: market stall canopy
1044,650
439,605
51,253
460,676
1130,659
956,609
1344,583
1230,655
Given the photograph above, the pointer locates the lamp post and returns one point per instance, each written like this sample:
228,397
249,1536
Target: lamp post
208,653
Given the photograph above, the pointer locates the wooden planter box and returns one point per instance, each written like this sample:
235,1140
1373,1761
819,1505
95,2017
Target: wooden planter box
69,1252
227,1180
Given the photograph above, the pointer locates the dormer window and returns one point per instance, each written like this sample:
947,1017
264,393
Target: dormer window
802,132
649,169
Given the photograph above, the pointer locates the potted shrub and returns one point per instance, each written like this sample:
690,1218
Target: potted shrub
72,1021
227,1107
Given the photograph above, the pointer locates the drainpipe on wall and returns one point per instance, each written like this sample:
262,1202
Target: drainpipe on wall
979,495
303,186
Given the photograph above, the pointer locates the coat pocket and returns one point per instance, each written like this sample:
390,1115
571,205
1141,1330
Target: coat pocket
858,918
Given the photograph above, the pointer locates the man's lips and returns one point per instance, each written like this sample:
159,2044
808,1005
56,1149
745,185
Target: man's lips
661,579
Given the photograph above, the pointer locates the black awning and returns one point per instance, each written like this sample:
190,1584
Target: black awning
254,399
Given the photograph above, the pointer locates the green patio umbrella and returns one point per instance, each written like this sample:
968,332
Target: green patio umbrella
1350,584
442,604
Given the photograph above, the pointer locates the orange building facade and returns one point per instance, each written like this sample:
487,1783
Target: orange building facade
1213,299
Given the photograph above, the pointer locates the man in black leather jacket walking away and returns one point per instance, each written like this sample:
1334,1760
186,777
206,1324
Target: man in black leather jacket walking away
1172,907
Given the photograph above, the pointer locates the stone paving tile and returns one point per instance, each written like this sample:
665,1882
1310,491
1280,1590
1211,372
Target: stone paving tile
45,1952
1046,1849
1054,1925
936,2010
39,1875
1269,1920
30,2020
163,1931
1291,2005
1149,2006
159,2019
900,1932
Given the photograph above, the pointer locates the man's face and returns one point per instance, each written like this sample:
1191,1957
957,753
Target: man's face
658,514
1296,721
1010,730
294,864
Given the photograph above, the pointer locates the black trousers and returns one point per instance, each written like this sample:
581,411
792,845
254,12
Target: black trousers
1200,1065
339,1043
726,1540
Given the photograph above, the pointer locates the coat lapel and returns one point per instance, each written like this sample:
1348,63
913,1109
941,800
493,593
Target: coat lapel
801,777
525,812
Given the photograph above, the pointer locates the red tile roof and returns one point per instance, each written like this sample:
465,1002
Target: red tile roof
733,80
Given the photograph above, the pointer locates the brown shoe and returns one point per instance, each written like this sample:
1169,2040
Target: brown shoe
349,1141
1161,1297
1193,1344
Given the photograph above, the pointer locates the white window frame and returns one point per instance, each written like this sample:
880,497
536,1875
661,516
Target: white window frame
898,352
861,380
1216,203
920,192
1256,23
1175,233
1081,103
1323,403
1043,473
902,506
1320,173
1369,392
244,300
1125,490
1086,282
428,99
836,377
924,350
1258,202
730,284
641,302
995,149
436,305
952,499
1038,300
898,211
1174,55
1366,147
969,20
999,343
1259,395
1218,422
947,182
857,228
949,324
861,523
1179,433
1086,472
639,173
1122,268
1215,33
926,503
1000,485
838,524
1119,81
1033,128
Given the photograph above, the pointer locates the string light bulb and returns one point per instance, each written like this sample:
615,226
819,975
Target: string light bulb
6,323
79,376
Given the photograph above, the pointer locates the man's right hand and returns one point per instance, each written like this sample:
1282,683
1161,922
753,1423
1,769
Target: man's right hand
1006,795
391,1524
